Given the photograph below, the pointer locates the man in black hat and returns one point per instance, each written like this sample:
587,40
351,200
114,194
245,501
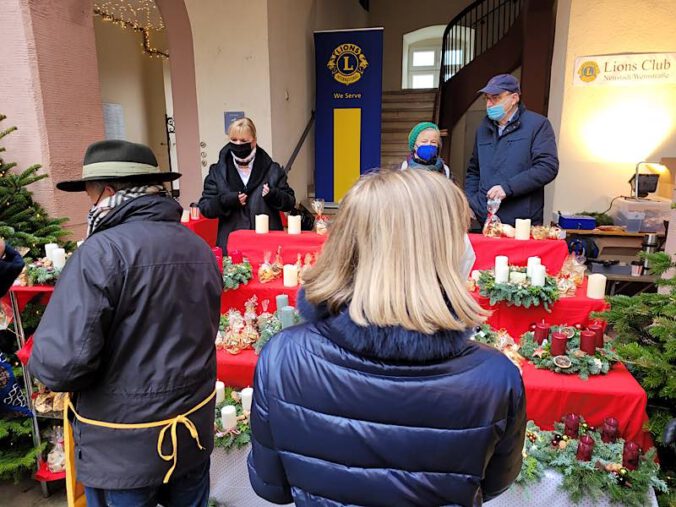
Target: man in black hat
514,155
130,332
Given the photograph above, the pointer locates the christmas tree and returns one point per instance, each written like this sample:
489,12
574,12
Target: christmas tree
23,222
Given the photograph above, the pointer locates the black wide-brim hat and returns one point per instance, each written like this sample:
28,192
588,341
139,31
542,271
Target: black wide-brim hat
116,160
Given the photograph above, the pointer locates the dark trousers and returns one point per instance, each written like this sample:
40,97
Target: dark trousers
189,490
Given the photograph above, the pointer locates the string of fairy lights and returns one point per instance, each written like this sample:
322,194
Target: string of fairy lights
138,15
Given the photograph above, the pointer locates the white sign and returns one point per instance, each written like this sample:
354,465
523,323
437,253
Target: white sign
113,121
625,69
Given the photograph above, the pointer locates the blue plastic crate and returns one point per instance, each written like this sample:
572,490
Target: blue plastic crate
580,222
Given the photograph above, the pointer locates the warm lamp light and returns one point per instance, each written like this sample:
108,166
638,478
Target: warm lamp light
643,184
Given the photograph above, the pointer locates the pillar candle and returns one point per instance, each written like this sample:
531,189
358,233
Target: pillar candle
49,248
522,227
559,342
290,275
630,455
538,275
220,392
185,216
532,261
571,423
247,396
609,430
541,332
598,331
585,447
59,258
588,342
218,253
229,417
281,300
194,213
501,274
501,260
596,286
286,316
236,257
262,224
517,277
476,274
294,224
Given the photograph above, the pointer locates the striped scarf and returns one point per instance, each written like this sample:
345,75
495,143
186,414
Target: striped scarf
105,206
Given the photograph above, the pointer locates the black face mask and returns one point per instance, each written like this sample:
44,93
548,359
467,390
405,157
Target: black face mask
241,150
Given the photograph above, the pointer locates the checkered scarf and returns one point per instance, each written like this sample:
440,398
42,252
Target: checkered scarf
105,206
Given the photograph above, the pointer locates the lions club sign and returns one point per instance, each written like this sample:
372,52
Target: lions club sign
347,63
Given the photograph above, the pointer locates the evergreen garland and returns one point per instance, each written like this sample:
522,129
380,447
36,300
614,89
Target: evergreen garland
579,362
518,294
235,275
23,222
603,475
241,436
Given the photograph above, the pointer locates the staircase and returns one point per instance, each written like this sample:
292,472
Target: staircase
402,110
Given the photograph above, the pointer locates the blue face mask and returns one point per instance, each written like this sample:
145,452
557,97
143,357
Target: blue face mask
427,152
496,112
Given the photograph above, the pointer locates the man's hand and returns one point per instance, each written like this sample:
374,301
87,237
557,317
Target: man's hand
496,192
242,198
266,189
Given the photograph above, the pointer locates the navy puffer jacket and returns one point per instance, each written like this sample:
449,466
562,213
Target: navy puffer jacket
348,415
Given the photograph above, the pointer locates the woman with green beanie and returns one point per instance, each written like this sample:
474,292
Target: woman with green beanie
424,143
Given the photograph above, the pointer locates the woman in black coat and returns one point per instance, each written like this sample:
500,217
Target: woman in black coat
245,182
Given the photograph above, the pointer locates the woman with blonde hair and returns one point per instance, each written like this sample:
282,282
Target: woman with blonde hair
245,182
380,398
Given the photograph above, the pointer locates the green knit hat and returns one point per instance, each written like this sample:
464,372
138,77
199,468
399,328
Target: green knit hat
415,132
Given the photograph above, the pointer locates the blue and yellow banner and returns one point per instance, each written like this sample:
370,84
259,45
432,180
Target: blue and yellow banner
349,66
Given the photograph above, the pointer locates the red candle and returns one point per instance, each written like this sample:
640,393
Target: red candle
571,424
609,430
630,455
218,253
541,332
598,331
236,257
588,342
558,346
584,448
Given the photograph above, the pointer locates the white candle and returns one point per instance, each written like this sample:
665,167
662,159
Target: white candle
185,216
501,260
537,277
522,229
195,213
501,274
262,226
290,275
247,396
59,258
49,248
229,417
596,286
517,277
532,261
476,274
220,392
294,224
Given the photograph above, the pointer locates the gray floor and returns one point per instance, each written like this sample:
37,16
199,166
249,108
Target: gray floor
27,493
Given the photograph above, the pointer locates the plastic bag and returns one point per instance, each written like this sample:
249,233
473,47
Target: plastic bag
493,225
56,459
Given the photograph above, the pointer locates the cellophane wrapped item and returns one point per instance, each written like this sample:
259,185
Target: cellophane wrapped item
321,221
265,273
493,225
56,459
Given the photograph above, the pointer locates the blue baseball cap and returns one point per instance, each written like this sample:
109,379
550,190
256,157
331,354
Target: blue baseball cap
501,83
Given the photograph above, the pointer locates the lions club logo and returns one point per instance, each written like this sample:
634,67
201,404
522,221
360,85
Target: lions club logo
347,63
588,71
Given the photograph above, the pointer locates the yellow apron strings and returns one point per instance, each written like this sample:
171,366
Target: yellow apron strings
166,424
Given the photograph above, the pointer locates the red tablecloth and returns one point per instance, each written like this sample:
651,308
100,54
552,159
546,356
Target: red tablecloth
551,252
236,298
253,246
25,294
550,396
205,228
517,319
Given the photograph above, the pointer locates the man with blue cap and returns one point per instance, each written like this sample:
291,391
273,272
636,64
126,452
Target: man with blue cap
514,155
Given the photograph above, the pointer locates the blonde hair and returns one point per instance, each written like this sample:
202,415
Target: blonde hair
394,252
241,125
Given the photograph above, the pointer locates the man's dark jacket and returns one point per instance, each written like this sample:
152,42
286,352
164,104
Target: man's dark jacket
523,160
350,415
223,184
10,267
130,330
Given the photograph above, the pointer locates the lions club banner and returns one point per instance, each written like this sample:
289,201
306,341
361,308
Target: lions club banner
349,82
